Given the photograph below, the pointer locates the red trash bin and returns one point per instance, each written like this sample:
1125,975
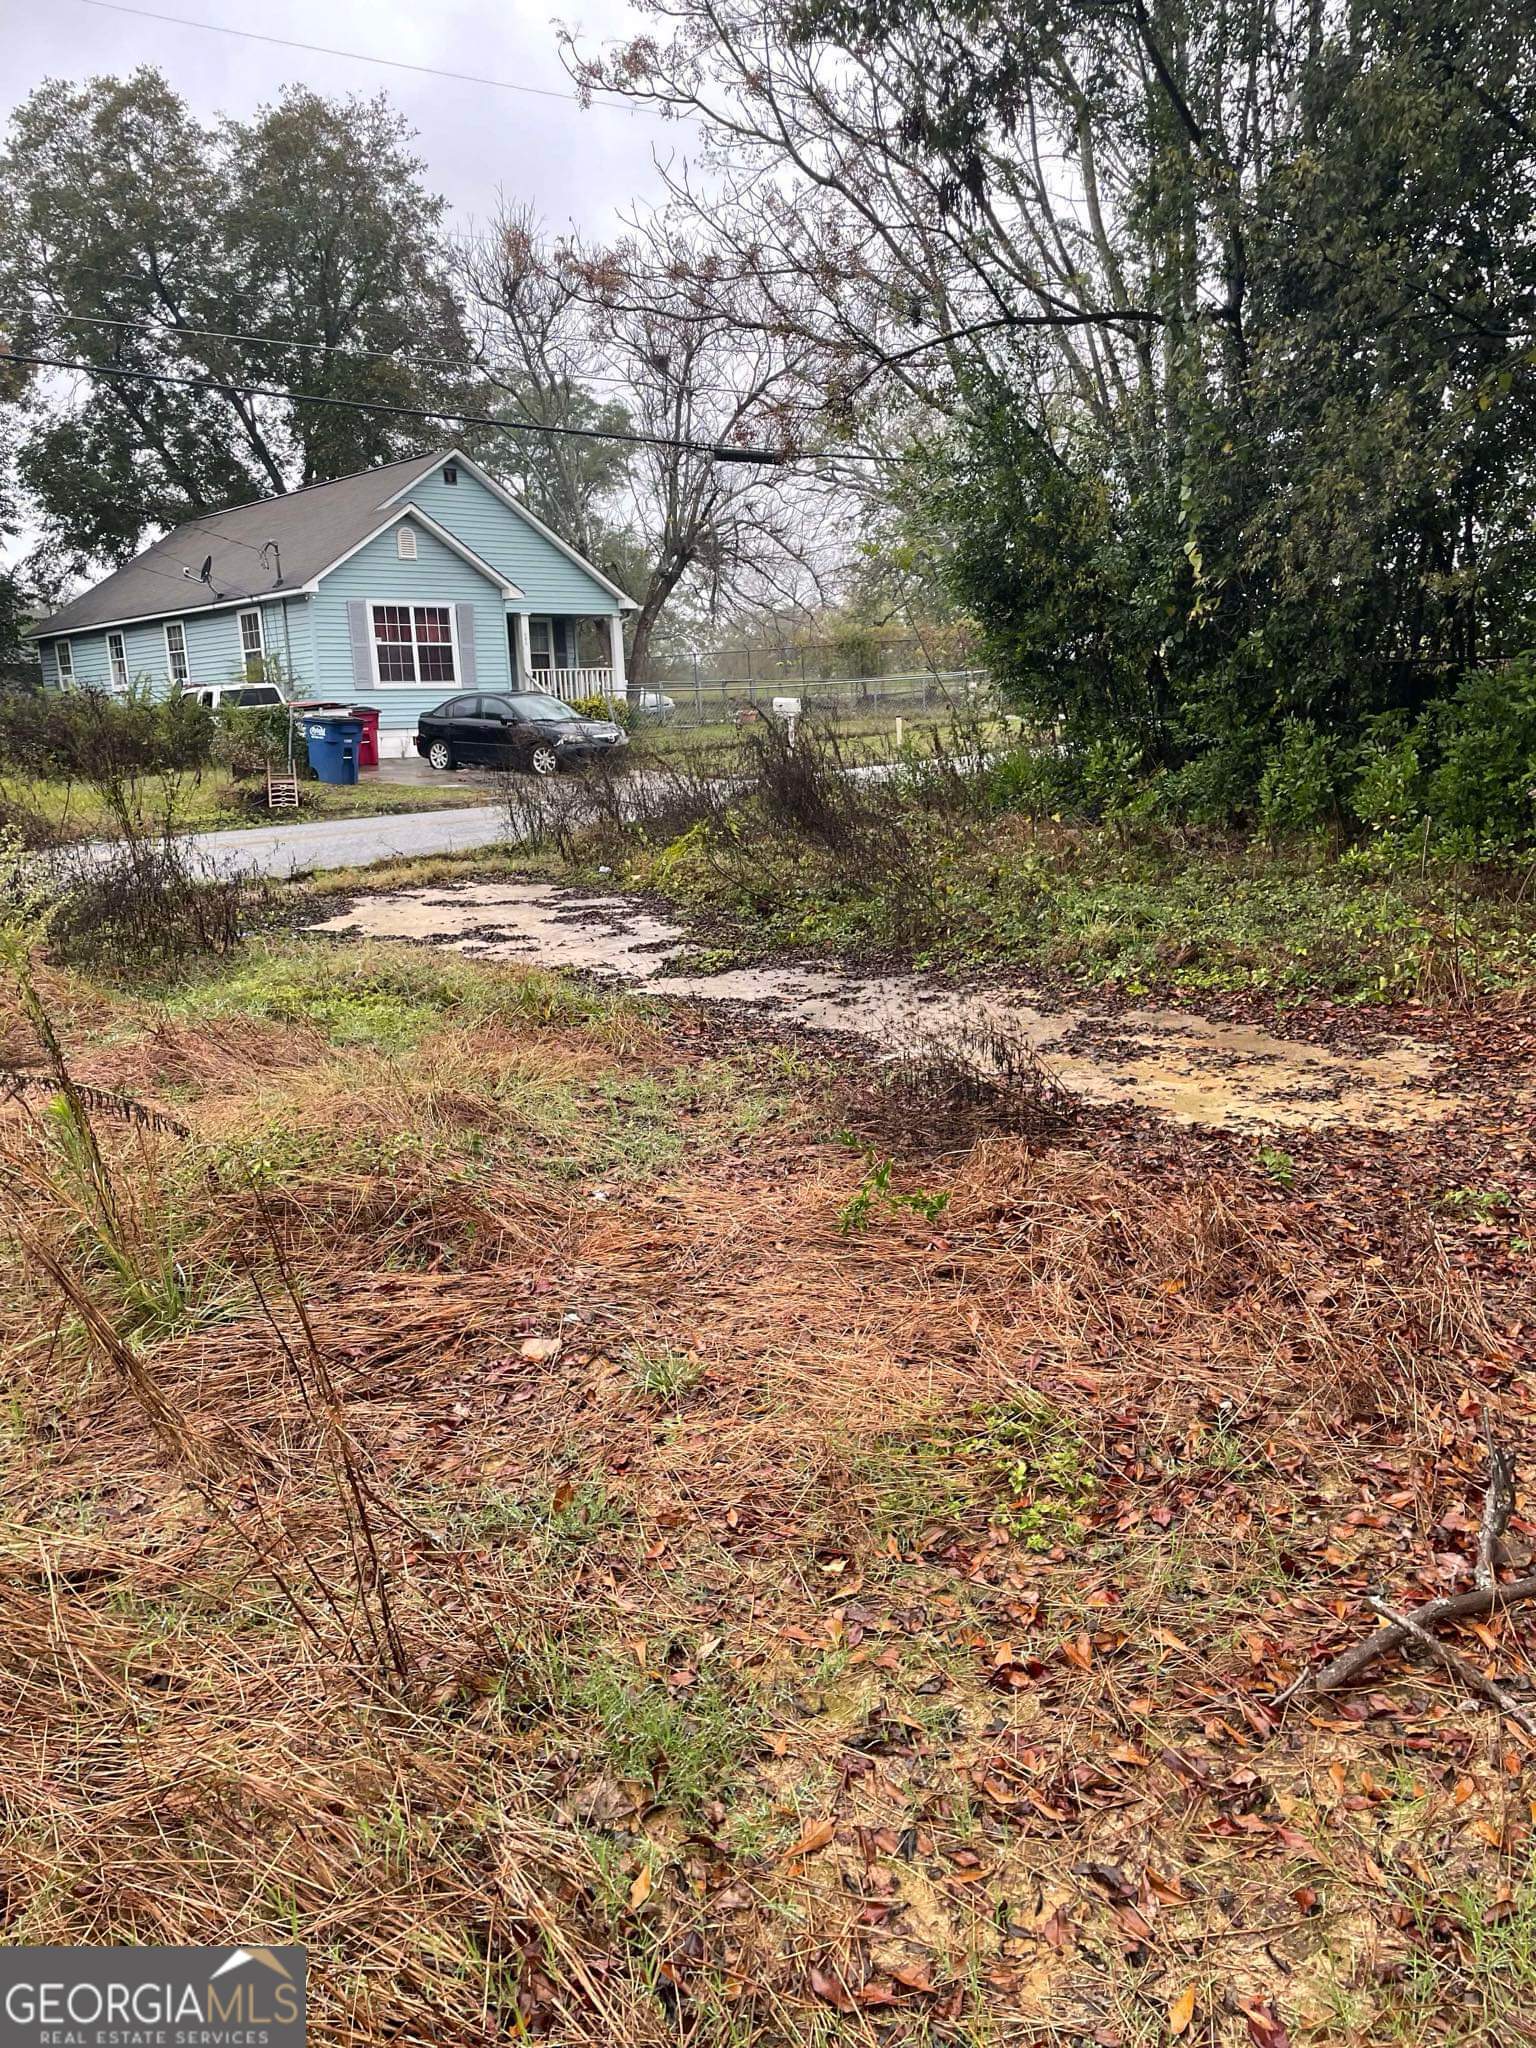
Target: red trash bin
368,740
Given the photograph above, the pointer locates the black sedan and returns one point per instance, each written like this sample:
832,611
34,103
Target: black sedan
518,729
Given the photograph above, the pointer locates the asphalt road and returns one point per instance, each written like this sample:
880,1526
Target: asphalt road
283,850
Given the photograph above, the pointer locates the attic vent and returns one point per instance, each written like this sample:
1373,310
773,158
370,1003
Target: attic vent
405,543
451,473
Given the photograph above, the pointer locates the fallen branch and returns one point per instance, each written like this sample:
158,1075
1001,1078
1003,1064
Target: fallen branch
1498,1506
1450,1607
1459,1666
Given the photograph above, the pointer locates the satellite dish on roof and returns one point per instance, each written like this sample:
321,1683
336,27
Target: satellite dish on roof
205,574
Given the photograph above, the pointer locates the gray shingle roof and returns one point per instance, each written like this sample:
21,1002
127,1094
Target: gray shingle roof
311,527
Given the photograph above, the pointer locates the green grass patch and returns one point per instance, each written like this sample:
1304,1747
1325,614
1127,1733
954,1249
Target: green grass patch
666,1373
1042,1462
563,1518
385,996
684,1738
1024,1467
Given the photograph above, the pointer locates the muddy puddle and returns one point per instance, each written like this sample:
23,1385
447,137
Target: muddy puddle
1184,1067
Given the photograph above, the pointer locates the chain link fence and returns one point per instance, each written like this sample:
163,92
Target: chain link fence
853,703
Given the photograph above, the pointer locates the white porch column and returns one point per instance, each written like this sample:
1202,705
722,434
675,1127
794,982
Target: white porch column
616,653
524,677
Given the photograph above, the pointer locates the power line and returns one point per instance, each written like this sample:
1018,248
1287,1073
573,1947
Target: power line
250,35
719,452
347,350
254,547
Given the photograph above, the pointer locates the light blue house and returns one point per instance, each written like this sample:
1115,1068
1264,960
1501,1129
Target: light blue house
397,587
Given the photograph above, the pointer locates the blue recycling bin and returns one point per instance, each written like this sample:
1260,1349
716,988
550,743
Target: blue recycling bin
333,747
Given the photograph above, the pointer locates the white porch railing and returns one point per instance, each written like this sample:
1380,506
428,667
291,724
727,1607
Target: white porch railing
570,685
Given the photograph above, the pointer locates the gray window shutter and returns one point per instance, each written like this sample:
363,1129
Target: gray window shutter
362,644
464,625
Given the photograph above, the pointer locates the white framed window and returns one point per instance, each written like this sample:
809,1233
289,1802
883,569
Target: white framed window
117,660
253,641
64,655
414,643
176,652
405,543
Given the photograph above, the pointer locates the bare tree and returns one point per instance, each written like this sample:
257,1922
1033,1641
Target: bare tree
713,397
928,194
705,385
531,333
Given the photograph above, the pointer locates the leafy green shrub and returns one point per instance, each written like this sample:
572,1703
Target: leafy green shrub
1299,788
858,650
248,741
1033,781
1214,788
128,749
1481,790
1389,792
683,866
83,735
1109,773
615,710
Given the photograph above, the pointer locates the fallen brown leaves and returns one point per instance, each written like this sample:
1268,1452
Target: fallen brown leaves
962,1577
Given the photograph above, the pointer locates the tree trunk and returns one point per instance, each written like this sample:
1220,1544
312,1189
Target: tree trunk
658,590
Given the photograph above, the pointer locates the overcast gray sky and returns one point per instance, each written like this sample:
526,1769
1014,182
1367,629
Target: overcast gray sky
581,166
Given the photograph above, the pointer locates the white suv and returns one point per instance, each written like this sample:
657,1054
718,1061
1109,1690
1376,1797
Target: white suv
241,696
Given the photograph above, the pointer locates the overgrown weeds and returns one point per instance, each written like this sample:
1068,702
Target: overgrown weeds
132,751
798,1625
149,907
1138,910
951,851
142,903
638,793
975,1073
80,1226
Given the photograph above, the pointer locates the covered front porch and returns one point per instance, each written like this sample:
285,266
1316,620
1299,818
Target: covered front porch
567,654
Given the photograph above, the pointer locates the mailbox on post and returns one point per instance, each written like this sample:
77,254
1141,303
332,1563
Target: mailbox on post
787,709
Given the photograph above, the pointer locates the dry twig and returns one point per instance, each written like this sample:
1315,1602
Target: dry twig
1498,1506
1461,1667
1349,1664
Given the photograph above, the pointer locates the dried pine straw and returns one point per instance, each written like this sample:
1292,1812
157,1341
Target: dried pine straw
460,1851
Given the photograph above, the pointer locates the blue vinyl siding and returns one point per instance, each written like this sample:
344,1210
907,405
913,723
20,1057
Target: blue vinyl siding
310,635
550,581
290,633
437,576
214,653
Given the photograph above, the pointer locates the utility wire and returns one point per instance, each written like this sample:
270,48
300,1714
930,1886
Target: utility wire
251,35
720,452
154,323
254,547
